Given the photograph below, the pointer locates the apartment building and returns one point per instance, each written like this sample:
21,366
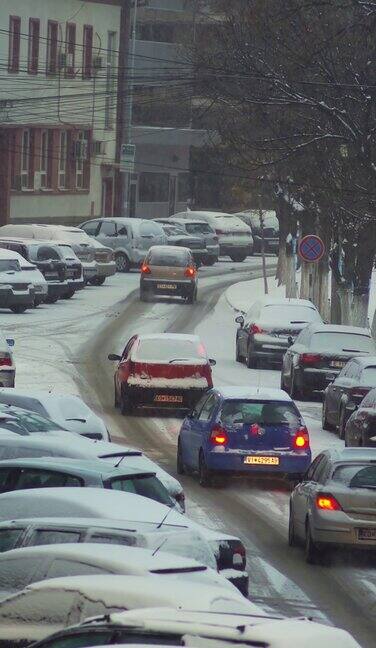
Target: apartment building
58,102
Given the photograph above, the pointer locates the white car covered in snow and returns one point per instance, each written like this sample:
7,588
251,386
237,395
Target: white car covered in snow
34,276
17,291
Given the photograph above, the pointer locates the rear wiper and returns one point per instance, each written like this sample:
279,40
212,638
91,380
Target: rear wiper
298,322
352,350
181,360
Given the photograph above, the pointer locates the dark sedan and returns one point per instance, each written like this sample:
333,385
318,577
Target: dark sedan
177,236
360,429
318,355
269,326
343,396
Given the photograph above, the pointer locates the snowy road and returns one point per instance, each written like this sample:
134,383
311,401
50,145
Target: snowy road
67,351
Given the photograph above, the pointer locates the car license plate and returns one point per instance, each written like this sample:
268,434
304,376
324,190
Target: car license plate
166,286
330,377
50,275
167,398
339,364
367,534
262,461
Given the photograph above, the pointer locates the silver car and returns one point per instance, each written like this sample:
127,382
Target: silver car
194,227
335,504
129,238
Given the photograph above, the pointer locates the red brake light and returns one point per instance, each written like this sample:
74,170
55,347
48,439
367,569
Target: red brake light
310,358
5,360
359,392
145,269
218,436
301,439
256,329
327,502
190,272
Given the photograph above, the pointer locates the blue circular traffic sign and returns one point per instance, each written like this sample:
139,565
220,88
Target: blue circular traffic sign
311,248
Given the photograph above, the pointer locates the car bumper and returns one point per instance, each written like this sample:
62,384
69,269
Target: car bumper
7,378
75,284
212,251
339,529
58,289
9,298
182,288
235,248
269,347
165,398
222,460
239,579
316,379
106,269
90,270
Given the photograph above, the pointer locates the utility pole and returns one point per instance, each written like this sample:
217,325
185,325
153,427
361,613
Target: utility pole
261,217
129,102
122,98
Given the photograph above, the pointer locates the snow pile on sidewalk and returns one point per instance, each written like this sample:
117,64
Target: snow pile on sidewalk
241,296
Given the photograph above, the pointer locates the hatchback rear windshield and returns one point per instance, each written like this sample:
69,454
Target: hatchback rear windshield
159,350
246,412
198,228
356,475
369,376
148,486
168,258
288,314
332,341
7,265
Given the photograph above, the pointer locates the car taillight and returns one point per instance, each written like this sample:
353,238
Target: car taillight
310,358
206,372
145,269
5,360
358,392
301,439
239,556
327,502
190,272
256,329
218,436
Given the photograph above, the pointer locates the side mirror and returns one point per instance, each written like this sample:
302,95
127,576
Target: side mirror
114,357
240,320
10,342
290,340
212,362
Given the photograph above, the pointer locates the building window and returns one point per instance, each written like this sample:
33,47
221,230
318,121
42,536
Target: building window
87,52
184,190
70,48
52,47
82,160
154,187
110,79
14,44
33,52
25,159
46,149
63,151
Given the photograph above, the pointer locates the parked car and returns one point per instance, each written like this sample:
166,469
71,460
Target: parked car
169,271
177,627
177,237
334,505
68,411
74,271
31,273
360,429
20,567
344,395
25,422
17,292
269,328
234,236
7,364
48,472
81,245
47,260
45,607
200,229
319,353
162,370
270,235
243,431
129,238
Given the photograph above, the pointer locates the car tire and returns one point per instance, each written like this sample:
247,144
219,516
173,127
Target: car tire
122,262
180,467
143,295
69,295
116,398
204,474
238,258
17,308
292,540
51,300
252,362
294,390
209,261
324,421
125,405
97,281
312,554
282,384
341,423
191,297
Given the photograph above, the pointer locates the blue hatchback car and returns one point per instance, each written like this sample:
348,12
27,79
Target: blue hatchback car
244,431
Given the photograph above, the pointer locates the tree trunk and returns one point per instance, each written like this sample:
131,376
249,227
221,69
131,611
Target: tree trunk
291,288
335,303
359,310
281,265
344,295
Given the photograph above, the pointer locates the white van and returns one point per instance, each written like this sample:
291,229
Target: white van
234,236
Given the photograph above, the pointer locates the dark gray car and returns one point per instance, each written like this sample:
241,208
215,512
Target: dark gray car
201,229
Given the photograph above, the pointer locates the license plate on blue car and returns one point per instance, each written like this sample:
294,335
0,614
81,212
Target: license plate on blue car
261,461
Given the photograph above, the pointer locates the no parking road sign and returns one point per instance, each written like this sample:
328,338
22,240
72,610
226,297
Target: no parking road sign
311,248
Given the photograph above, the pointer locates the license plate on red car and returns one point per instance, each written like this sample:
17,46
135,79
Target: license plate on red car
367,534
168,398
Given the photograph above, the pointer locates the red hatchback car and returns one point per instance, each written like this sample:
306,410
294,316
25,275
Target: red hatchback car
165,370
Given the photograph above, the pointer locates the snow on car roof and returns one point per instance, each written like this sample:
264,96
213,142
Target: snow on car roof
77,466
253,393
338,328
286,301
10,254
169,249
170,336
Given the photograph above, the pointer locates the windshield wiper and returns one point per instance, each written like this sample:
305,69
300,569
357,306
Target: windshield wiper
352,350
298,322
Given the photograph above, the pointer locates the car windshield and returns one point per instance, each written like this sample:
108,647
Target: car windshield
270,220
67,252
356,475
7,265
149,487
334,341
288,314
198,228
171,229
168,350
369,376
74,236
246,412
30,421
168,258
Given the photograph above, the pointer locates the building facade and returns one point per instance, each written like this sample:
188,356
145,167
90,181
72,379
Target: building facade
58,109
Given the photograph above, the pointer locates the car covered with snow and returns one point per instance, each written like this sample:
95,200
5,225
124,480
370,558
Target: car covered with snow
161,370
45,607
68,411
199,628
7,364
245,431
169,271
31,273
17,291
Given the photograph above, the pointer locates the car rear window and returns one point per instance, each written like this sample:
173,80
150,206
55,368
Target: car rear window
356,475
149,487
198,228
168,258
8,538
285,314
7,265
333,341
369,376
169,350
246,412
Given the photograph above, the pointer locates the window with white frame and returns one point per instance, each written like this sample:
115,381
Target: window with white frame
25,159
44,159
80,146
63,151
